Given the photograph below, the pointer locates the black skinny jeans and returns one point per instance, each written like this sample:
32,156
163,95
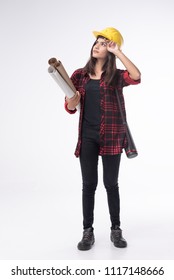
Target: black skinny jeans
89,168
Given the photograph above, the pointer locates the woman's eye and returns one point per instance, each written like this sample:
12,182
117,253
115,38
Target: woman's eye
103,44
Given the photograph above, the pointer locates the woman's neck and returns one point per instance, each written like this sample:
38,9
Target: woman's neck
98,70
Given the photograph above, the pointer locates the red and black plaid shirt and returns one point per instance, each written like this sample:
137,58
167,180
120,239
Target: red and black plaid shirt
112,131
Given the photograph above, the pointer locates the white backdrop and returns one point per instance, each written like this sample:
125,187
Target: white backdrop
40,181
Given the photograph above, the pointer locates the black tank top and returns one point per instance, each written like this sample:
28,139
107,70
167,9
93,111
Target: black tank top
92,103
92,113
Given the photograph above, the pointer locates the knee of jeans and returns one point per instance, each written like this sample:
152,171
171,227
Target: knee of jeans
111,188
89,187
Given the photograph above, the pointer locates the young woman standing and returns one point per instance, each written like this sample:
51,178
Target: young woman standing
101,132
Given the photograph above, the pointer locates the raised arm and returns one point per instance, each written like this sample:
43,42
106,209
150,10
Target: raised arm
134,72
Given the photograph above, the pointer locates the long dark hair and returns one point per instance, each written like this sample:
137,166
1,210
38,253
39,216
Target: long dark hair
109,67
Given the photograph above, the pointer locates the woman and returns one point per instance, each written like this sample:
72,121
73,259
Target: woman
101,131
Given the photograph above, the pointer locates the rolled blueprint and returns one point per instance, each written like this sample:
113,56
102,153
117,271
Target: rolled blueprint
59,74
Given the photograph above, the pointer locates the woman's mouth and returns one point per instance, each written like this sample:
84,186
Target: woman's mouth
95,51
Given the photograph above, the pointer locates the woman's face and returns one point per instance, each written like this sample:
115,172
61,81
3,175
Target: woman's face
99,50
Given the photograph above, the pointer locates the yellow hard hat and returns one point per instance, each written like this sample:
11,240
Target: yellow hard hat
111,34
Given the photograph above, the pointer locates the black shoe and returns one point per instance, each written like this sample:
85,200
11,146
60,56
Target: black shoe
117,239
87,240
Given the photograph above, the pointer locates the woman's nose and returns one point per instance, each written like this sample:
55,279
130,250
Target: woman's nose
97,45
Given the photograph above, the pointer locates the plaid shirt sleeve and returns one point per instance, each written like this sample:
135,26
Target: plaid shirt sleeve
127,79
75,78
69,111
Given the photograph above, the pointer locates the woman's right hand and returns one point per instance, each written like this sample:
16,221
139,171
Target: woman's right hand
73,101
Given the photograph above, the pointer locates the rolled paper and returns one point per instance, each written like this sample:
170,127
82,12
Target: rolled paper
62,83
60,68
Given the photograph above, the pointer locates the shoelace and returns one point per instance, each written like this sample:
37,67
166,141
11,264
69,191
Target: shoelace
116,233
87,236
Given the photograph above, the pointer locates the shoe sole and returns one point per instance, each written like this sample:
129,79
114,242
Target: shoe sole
85,248
117,245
